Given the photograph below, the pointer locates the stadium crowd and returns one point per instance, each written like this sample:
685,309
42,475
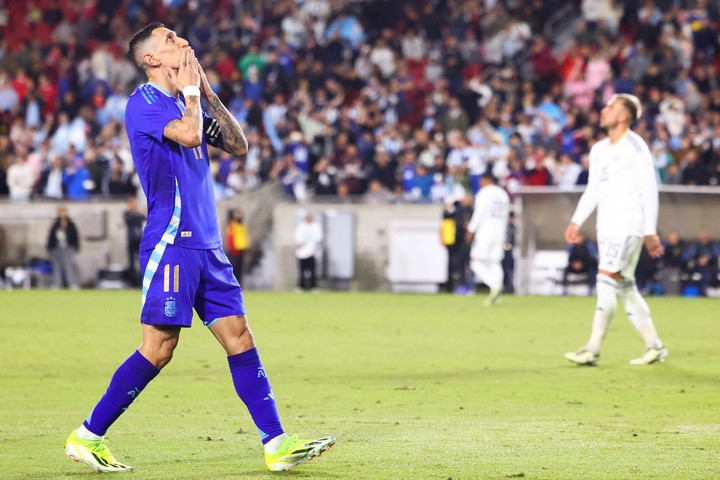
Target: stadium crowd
375,101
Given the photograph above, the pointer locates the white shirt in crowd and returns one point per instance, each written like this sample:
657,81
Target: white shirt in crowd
20,181
308,238
623,186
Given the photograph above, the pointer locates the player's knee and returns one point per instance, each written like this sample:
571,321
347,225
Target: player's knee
159,342
164,357
234,334
158,355
606,293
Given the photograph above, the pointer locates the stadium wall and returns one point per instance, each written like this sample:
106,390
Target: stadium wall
542,215
101,225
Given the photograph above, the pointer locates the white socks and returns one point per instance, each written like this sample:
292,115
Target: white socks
274,444
489,272
86,434
606,289
638,313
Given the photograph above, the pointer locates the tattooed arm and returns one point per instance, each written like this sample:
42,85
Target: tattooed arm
223,131
187,131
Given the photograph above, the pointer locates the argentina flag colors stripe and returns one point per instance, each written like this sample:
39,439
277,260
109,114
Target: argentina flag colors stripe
167,238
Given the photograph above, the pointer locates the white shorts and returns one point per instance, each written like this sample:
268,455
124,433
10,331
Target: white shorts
487,249
620,255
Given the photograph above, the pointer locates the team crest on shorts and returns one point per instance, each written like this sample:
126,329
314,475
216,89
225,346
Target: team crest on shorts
170,307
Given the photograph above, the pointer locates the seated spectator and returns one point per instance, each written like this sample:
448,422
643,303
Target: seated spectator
20,177
582,260
384,168
378,194
701,258
646,273
674,247
120,183
671,265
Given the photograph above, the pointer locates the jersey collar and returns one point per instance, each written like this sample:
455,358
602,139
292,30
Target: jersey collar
160,88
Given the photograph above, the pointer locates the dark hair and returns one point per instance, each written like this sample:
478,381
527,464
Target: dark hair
138,39
631,108
632,104
489,177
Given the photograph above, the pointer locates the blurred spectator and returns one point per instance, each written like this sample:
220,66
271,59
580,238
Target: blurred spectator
508,262
76,177
584,170
20,177
51,180
237,240
62,245
646,274
701,258
134,222
308,240
672,266
502,75
674,248
9,99
567,172
119,181
377,193
583,262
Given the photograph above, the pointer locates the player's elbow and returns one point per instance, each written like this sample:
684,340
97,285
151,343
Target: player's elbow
185,135
241,149
190,139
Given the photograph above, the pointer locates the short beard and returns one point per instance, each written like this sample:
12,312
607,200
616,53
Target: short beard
609,126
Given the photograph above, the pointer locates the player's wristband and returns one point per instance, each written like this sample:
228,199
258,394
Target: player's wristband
191,90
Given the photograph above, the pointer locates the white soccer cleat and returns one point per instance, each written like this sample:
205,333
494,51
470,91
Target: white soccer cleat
583,357
651,355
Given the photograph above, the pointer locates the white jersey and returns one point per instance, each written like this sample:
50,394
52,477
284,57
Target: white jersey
623,186
489,222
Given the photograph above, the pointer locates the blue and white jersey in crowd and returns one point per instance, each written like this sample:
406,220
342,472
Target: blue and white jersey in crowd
301,155
176,180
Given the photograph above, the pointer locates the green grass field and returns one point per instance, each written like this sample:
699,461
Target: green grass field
412,386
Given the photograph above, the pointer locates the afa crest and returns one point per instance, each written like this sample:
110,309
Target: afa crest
170,307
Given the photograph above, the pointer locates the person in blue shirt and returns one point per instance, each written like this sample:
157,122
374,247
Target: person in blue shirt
181,256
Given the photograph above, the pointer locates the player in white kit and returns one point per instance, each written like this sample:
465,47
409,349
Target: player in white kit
623,187
486,233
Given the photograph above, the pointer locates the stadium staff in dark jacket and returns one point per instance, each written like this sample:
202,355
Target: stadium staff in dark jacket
62,244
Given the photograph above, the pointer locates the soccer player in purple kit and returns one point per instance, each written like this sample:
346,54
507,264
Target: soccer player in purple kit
181,254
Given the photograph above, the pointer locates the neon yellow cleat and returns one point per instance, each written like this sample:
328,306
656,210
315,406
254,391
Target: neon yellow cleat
294,451
93,453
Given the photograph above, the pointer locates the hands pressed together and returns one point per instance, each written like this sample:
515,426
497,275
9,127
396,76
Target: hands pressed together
190,73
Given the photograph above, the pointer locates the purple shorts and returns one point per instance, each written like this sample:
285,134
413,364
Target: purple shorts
177,279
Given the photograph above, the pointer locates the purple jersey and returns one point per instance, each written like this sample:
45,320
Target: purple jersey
176,179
